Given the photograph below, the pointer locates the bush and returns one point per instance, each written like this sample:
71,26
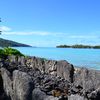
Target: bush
2,54
9,51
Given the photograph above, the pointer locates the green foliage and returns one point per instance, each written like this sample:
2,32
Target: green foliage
43,59
2,54
63,46
97,47
79,46
9,51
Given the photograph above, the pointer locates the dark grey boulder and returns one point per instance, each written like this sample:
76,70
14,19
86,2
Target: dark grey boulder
88,79
37,94
3,95
7,82
22,86
65,70
95,95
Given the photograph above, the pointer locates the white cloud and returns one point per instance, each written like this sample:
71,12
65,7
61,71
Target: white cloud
55,35
27,33
5,29
83,36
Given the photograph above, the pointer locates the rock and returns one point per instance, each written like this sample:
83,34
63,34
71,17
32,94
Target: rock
95,95
3,95
38,63
7,83
1,85
32,78
50,67
76,97
37,94
51,98
21,61
65,70
22,86
88,79
11,63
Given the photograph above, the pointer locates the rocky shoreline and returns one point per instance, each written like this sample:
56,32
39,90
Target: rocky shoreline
32,78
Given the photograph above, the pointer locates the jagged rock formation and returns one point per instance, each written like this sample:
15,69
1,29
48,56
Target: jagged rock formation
31,78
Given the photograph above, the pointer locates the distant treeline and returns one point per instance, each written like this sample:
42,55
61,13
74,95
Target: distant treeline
78,46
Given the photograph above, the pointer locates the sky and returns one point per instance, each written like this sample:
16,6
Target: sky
48,23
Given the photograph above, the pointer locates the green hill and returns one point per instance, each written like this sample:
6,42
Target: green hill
9,43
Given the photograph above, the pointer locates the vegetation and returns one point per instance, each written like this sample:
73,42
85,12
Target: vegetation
63,46
97,47
9,51
79,46
8,43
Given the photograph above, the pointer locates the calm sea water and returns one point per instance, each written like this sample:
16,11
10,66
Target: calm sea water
89,58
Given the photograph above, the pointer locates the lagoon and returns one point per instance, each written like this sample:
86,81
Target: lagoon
89,58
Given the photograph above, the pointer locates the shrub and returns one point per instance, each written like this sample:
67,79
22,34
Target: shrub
9,51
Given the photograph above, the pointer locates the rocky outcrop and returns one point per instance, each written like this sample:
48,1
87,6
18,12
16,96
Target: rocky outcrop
31,78
7,83
17,86
87,80
38,95
65,70
22,86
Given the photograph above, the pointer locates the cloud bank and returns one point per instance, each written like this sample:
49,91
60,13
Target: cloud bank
43,38
27,33
5,28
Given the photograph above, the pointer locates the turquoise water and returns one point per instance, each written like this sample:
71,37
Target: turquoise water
89,58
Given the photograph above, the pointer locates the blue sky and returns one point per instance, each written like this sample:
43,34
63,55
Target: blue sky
47,23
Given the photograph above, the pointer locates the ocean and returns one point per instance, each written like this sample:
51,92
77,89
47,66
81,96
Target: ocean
89,58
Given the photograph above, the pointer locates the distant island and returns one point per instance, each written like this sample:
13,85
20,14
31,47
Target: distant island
9,43
79,46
